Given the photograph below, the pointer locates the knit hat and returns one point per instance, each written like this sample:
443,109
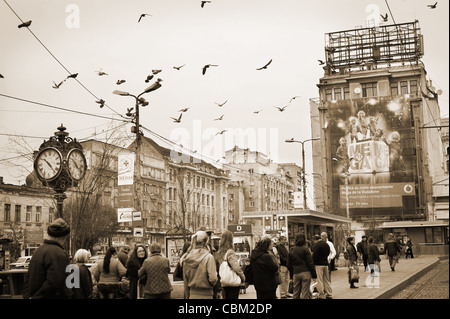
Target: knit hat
59,228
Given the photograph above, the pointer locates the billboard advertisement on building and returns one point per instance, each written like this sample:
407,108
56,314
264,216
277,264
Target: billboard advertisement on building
372,148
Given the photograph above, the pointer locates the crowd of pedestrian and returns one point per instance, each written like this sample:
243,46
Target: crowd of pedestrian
300,272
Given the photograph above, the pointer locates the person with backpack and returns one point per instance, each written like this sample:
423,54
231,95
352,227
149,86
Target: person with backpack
392,248
284,272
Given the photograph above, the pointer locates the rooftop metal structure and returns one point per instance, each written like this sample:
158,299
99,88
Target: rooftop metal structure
373,46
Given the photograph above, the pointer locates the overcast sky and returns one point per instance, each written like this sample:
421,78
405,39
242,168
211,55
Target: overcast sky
237,35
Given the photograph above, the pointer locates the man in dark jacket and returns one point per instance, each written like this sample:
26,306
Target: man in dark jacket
265,269
283,253
46,277
321,251
392,249
301,267
363,249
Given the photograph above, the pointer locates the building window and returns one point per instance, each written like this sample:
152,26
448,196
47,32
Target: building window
28,215
413,87
337,94
369,89
252,204
7,216
346,93
394,88
203,182
404,87
38,214
17,213
328,95
51,213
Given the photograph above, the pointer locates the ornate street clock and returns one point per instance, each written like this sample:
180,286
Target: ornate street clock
77,164
48,163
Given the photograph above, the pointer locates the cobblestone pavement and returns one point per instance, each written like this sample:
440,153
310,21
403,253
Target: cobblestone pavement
432,285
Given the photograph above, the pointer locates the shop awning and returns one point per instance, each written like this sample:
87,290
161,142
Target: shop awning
298,212
410,223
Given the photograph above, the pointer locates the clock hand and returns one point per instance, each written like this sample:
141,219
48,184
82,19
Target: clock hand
76,164
48,163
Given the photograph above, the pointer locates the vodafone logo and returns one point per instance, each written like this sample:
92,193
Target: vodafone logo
408,188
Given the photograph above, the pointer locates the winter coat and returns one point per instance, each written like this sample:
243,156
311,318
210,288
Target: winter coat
300,260
283,253
392,248
46,277
265,270
156,269
374,254
321,251
116,272
362,247
84,291
199,271
232,261
133,265
352,256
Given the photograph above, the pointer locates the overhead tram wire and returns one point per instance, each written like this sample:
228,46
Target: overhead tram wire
63,109
59,62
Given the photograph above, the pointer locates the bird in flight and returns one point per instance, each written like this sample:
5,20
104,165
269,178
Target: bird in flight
25,24
203,3
221,104
149,77
101,102
56,86
321,62
129,111
179,67
73,76
156,71
219,118
385,17
294,98
281,109
119,82
100,73
265,66
257,112
143,15
206,67
221,132
184,110
177,120
1,76
432,6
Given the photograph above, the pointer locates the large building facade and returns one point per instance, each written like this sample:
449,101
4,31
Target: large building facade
378,118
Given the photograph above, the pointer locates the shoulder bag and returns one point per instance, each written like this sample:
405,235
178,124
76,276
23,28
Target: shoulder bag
228,277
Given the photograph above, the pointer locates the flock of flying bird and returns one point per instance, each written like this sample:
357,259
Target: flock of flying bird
156,85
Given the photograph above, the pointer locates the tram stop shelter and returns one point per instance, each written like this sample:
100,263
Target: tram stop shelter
297,221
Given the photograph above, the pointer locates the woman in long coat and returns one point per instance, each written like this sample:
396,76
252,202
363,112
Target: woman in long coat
134,263
265,270
352,259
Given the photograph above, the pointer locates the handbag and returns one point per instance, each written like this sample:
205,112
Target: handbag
228,277
291,287
354,274
178,273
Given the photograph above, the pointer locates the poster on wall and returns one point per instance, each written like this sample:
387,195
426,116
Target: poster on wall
372,151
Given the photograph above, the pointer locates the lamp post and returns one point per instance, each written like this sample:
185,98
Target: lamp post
136,130
305,206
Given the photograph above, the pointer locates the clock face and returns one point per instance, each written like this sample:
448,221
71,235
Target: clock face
48,163
77,164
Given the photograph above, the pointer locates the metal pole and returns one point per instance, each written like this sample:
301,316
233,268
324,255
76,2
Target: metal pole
305,206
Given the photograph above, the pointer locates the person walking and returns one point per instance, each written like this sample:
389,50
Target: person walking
134,263
392,248
284,273
373,258
301,268
226,251
199,269
155,270
84,289
321,253
409,249
362,249
265,269
352,259
46,276
332,255
123,254
108,273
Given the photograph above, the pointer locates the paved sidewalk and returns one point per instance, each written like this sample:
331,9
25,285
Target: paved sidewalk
383,287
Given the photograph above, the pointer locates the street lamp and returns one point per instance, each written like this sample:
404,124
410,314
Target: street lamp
139,101
303,165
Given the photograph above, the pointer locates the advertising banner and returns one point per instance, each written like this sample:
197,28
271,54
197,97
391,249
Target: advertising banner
125,169
372,148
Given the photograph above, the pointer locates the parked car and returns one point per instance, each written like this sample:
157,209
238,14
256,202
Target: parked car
21,263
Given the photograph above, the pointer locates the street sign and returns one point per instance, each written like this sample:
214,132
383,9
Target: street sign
128,215
298,200
125,169
125,196
138,232
240,230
